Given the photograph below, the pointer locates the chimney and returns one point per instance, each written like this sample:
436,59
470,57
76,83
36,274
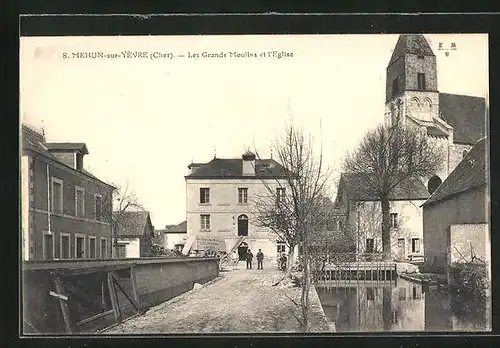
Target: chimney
248,164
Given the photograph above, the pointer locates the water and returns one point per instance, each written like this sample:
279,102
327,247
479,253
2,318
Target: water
370,306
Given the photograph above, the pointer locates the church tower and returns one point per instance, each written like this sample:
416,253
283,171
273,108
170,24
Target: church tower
411,82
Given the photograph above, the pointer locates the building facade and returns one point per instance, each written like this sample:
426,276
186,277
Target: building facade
175,236
456,215
65,209
363,216
220,202
134,234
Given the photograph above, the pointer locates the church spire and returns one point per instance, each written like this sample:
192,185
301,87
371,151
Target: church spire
415,44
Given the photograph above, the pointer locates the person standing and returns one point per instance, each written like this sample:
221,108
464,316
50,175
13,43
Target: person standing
235,259
249,259
260,258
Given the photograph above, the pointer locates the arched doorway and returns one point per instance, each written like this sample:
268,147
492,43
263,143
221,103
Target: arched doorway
433,184
242,251
243,225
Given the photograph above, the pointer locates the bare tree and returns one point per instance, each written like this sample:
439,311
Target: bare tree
389,160
293,214
124,199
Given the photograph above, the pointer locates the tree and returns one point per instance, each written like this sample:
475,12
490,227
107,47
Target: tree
124,199
293,214
391,160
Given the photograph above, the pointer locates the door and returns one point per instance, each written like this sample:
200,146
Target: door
401,249
243,225
242,251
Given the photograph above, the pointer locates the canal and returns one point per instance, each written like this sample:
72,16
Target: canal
400,305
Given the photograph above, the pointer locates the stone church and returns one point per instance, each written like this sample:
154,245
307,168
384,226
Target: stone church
455,122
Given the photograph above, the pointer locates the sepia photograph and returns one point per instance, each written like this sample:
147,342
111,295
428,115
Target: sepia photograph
201,184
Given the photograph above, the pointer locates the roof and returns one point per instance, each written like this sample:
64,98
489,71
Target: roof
195,165
233,168
34,141
81,147
411,44
466,114
468,174
180,228
431,130
131,223
356,189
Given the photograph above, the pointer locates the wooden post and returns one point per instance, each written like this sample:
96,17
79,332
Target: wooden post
64,305
134,284
114,298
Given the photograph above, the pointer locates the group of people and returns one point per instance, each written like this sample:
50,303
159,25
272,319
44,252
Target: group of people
249,258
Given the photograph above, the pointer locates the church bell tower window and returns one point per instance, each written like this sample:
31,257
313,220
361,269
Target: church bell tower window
421,81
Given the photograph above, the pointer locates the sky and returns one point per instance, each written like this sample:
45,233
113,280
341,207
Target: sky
145,119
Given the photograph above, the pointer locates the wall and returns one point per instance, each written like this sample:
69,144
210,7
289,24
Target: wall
469,207
173,238
158,280
132,247
224,210
415,65
465,236
370,217
65,222
456,154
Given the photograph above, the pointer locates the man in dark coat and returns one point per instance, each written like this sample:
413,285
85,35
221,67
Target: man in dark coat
249,259
260,258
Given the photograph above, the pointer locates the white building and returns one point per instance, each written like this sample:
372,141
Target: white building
174,236
363,211
220,202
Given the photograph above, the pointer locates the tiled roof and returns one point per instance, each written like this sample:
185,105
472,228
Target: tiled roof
131,223
434,131
355,187
233,168
67,147
180,228
411,44
465,114
33,141
469,173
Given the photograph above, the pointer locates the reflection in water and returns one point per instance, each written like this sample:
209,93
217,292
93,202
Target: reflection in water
370,306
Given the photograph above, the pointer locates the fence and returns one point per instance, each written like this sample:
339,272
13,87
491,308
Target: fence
353,266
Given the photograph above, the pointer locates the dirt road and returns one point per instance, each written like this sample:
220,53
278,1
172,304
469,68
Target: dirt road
239,300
